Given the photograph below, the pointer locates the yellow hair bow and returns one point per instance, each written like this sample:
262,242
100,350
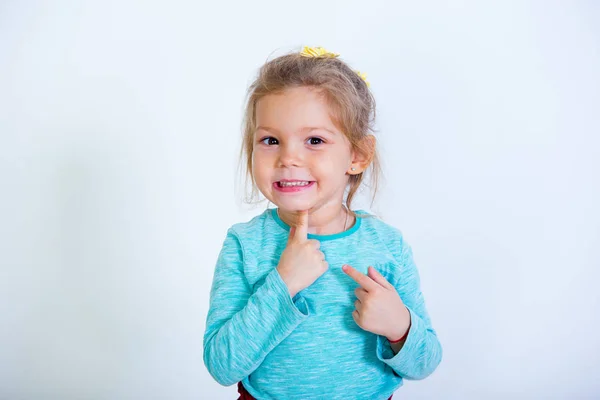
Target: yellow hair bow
320,52
364,77
317,52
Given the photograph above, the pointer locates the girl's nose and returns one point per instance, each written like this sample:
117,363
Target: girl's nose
290,156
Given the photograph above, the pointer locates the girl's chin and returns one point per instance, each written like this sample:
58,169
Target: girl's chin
289,207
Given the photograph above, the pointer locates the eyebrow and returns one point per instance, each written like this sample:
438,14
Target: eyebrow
305,129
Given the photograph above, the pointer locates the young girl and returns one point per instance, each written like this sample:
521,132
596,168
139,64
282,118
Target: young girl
314,300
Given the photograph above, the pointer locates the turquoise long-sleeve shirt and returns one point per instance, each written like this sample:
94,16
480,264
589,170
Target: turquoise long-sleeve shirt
309,346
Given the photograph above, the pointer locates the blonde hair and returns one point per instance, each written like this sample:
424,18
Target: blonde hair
347,94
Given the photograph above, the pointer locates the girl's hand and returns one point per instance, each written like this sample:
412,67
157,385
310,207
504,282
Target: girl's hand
301,262
379,308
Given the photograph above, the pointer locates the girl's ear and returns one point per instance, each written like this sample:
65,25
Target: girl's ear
362,157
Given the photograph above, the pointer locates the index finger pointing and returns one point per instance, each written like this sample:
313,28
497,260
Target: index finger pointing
363,280
301,231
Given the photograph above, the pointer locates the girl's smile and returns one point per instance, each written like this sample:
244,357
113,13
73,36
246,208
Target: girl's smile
292,186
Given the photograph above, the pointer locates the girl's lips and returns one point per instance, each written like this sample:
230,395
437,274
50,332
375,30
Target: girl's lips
291,189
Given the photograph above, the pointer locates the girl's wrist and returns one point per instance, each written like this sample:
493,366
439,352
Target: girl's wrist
401,339
405,333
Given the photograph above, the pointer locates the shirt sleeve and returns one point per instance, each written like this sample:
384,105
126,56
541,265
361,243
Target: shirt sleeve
422,352
243,326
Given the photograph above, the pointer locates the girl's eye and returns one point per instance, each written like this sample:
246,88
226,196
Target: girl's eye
268,139
271,141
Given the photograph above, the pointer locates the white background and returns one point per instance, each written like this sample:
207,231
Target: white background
120,125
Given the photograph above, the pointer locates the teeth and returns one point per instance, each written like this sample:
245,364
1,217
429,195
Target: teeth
284,184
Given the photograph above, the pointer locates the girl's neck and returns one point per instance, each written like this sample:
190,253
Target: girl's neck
323,221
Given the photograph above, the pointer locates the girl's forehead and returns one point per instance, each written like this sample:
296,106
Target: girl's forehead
293,101
302,130
296,111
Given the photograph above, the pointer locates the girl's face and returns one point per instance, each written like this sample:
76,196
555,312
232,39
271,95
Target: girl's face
296,141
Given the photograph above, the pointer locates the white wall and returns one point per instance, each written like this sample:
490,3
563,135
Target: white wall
119,128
